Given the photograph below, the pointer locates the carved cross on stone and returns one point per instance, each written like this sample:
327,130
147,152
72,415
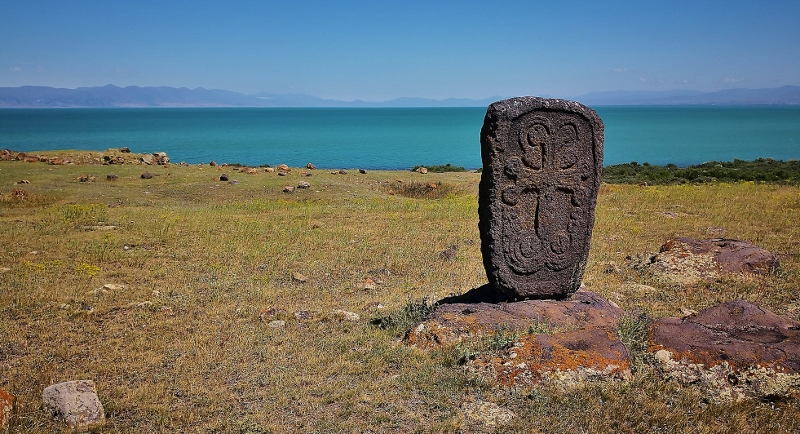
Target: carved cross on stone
541,171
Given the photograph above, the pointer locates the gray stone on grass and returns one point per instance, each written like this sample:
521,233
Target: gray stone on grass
76,403
542,160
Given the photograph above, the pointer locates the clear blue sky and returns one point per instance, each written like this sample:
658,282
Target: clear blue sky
378,50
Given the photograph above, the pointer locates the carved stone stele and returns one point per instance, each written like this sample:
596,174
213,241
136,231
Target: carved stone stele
542,160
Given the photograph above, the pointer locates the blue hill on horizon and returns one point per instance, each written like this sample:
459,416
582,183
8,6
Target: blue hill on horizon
163,96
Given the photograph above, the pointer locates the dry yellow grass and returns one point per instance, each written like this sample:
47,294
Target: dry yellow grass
183,347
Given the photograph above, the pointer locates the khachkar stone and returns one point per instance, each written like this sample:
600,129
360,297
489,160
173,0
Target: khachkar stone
542,160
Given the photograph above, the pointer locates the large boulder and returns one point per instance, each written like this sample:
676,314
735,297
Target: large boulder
465,317
687,260
734,350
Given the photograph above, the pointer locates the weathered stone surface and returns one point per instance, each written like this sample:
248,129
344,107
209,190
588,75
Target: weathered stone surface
487,414
160,158
733,350
466,317
346,315
7,403
563,359
542,160
685,260
76,403
146,175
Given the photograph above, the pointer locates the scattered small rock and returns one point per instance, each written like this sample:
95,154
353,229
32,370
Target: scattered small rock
233,182
302,315
76,403
147,175
310,166
276,324
304,185
271,313
23,181
223,177
449,253
374,305
422,170
367,284
269,169
611,268
362,171
297,277
111,177
114,286
213,163
306,174
345,315
288,189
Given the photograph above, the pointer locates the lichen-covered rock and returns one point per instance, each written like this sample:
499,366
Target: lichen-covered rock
561,359
686,261
76,403
453,322
7,402
734,350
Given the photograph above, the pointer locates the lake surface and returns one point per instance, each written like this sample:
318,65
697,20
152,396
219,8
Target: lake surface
392,138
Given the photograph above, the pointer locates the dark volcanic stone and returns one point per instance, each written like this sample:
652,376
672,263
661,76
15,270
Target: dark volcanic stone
542,160
738,333
476,314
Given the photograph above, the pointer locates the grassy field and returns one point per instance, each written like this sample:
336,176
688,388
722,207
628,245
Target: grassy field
187,345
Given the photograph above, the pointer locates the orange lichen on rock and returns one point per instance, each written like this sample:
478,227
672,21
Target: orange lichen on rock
7,404
564,358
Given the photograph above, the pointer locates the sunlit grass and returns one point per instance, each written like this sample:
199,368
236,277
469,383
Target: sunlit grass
183,346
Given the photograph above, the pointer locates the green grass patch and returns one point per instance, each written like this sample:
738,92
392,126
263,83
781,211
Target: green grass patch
765,170
441,168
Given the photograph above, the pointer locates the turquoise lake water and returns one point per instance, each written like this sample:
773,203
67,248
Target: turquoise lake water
392,138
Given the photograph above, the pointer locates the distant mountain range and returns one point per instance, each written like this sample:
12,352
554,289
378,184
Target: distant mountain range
135,96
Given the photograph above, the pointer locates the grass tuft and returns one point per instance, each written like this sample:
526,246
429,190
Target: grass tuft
411,314
424,190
